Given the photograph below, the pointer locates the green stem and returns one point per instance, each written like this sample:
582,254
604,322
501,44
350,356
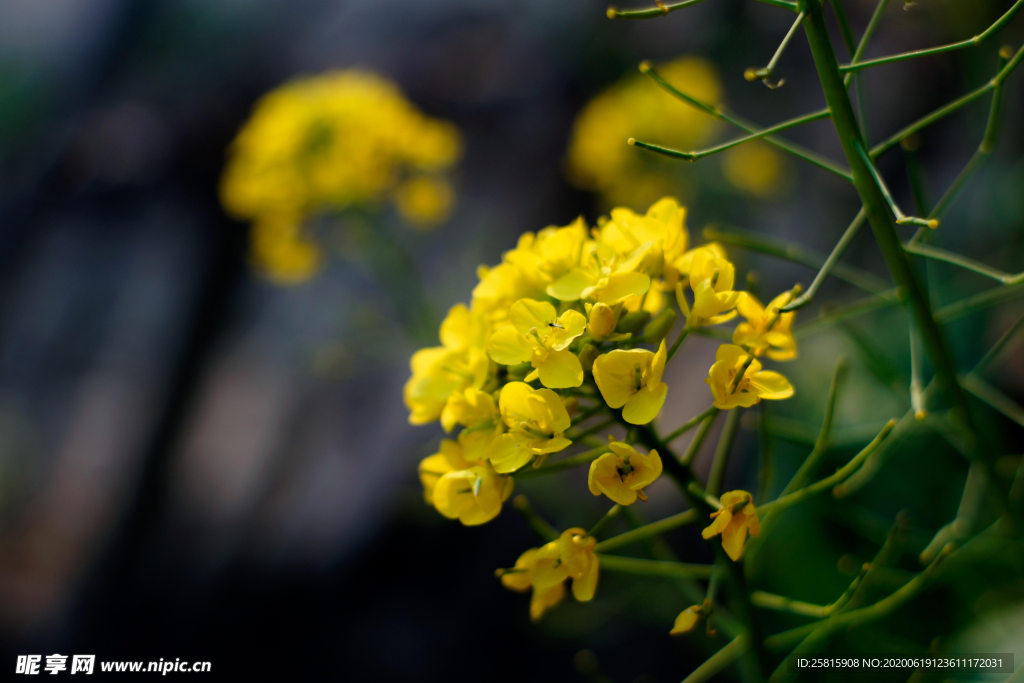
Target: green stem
632,565
796,253
535,521
568,463
830,263
590,430
694,156
784,604
901,219
649,12
827,483
612,513
994,398
718,661
810,465
766,73
997,348
938,254
925,121
850,310
688,425
968,305
691,449
792,148
725,441
649,530
678,342
970,42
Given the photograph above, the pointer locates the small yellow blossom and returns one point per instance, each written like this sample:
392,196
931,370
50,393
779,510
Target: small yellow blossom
425,201
623,473
477,411
603,276
601,321
711,278
737,517
755,384
550,254
439,371
536,420
520,578
499,288
571,556
631,380
687,620
662,227
537,334
448,459
767,330
281,250
755,168
473,495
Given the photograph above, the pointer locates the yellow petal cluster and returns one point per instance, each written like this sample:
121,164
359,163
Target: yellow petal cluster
767,331
623,473
460,488
569,557
737,380
324,143
734,521
631,380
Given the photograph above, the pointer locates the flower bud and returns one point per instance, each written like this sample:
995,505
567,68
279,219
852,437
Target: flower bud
602,321
633,322
660,326
587,356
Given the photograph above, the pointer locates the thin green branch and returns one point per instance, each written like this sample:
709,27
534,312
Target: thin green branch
679,342
925,121
821,445
691,449
649,530
535,521
649,12
938,254
590,430
968,305
901,219
767,72
827,483
830,263
612,513
784,604
970,42
792,148
549,467
688,425
997,348
722,450
700,154
718,661
674,570
796,253
994,398
916,384
868,304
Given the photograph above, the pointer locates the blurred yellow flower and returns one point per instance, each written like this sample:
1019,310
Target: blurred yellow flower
599,158
473,495
737,517
520,578
631,379
448,459
623,473
731,389
711,278
331,141
755,168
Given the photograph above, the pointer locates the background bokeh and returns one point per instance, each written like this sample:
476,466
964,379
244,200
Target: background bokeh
198,463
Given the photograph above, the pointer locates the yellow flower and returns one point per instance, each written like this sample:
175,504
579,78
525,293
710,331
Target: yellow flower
737,517
662,227
477,411
439,371
425,201
448,459
280,249
622,474
520,578
754,384
536,420
499,288
537,334
686,620
631,380
473,495
711,278
755,168
598,160
550,254
328,142
767,330
580,562
601,321
603,276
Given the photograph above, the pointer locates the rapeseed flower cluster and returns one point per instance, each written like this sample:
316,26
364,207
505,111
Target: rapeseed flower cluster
571,324
323,144
634,107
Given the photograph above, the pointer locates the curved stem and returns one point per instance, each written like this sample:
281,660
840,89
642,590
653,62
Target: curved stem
830,262
648,530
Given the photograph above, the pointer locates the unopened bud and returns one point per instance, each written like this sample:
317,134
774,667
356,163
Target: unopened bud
632,323
588,354
602,321
660,326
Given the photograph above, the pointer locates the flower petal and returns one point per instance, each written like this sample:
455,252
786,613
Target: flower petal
623,285
561,370
570,286
770,385
527,314
645,405
508,347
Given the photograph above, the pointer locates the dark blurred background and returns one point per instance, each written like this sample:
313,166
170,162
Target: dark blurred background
197,463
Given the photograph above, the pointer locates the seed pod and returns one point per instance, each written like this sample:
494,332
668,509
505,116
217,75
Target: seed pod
660,326
587,356
632,322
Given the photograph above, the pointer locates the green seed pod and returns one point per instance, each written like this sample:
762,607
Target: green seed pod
518,372
660,326
587,356
632,322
